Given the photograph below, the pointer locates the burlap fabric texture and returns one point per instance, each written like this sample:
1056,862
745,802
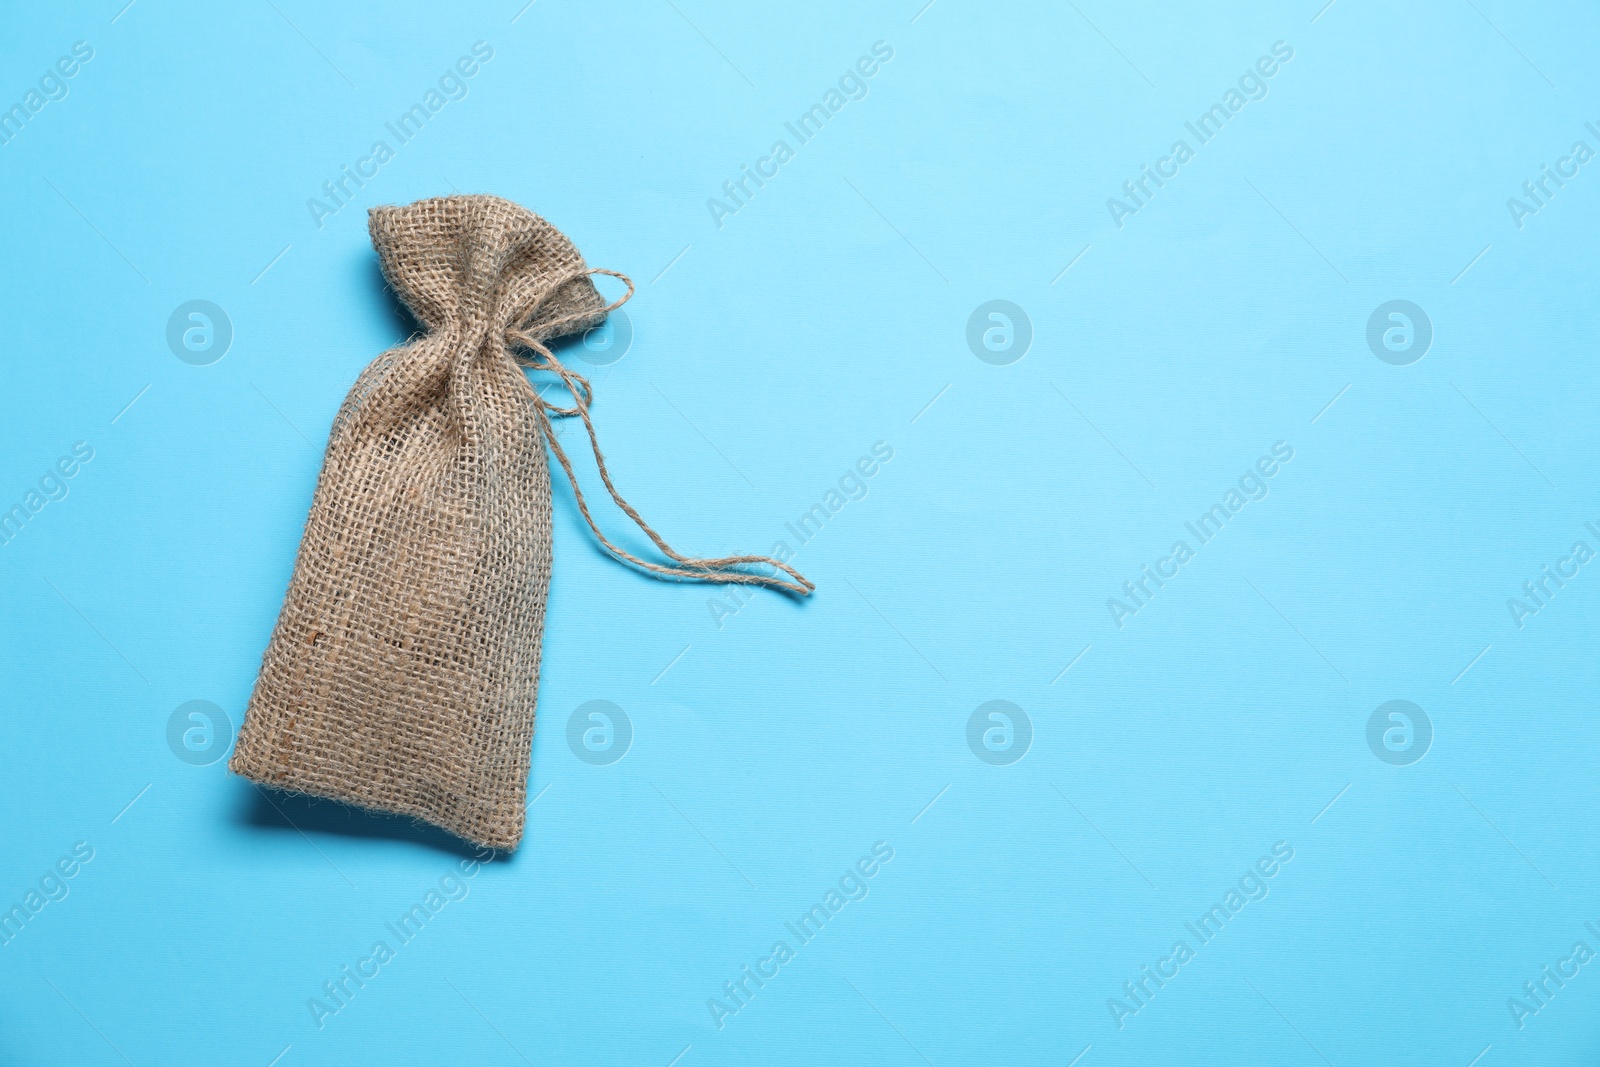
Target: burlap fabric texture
403,671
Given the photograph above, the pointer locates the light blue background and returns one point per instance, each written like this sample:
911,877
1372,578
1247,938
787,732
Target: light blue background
768,356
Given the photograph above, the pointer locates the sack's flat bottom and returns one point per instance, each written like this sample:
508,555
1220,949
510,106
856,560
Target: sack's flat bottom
496,826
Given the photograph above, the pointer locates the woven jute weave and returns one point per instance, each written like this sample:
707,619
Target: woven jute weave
404,668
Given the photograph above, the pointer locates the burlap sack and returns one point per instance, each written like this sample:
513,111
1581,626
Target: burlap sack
403,671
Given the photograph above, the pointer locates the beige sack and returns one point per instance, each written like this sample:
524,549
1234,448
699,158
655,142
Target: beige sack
403,671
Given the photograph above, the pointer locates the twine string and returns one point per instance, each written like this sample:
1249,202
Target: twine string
721,570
